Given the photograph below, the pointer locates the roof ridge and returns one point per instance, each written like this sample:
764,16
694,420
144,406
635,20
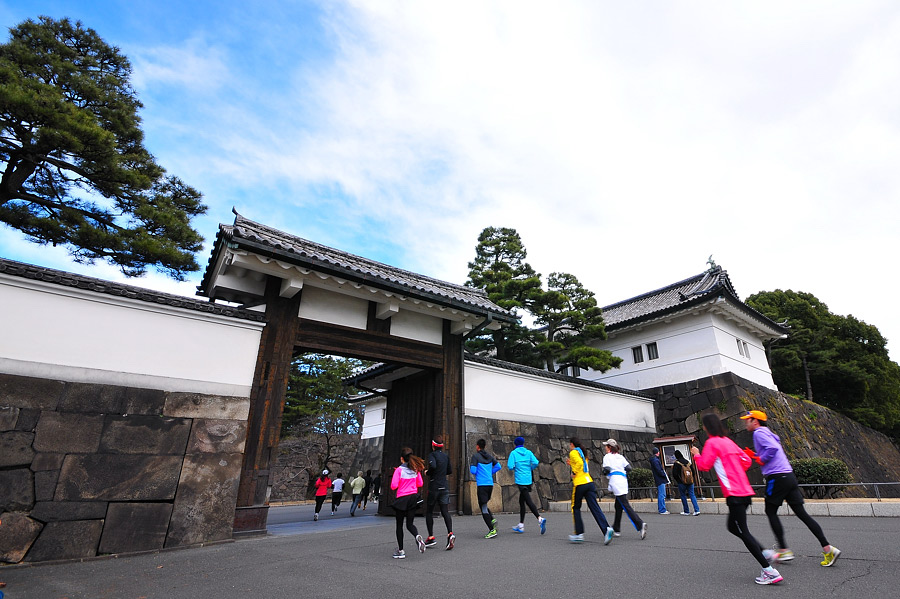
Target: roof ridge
695,278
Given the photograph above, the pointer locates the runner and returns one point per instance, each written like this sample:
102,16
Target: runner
522,461
323,483
337,492
781,485
438,492
406,481
583,489
616,467
731,463
483,467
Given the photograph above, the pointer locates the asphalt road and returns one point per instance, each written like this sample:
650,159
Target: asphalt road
351,557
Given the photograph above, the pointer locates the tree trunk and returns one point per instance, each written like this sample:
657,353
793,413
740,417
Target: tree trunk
809,393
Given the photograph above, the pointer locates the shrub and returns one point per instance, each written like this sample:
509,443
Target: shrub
641,477
823,473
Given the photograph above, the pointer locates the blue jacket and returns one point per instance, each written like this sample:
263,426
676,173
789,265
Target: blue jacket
522,461
659,475
483,467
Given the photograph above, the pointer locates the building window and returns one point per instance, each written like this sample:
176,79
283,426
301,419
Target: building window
638,354
743,348
740,347
746,350
383,413
652,352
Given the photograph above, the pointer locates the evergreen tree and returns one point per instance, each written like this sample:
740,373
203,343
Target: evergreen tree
75,171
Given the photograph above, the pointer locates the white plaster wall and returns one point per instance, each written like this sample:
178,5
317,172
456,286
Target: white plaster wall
756,367
373,419
497,393
334,308
75,335
414,325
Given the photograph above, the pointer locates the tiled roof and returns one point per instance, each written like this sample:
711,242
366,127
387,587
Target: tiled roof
67,279
678,296
263,239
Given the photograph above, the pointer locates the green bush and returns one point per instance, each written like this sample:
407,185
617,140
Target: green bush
823,473
640,477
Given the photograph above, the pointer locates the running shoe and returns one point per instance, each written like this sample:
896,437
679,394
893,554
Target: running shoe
766,577
830,557
420,543
685,513
430,542
577,538
771,556
451,538
315,517
519,528
399,554
491,534
785,555
494,523
644,531
608,536
696,513
543,523
665,513
617,534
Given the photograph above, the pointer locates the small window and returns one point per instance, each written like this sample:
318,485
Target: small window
383,413
652,352
746,350
740,346
638,354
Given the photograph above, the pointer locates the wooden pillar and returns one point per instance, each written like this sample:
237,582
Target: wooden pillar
448,412
273,365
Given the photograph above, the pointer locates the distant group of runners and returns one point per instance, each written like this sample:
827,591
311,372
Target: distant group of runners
719,453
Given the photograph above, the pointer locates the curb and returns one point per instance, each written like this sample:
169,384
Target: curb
874,509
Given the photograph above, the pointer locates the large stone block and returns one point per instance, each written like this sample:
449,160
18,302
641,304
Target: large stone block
207,494
28,419
194,405
56,511
59,432
145,434
134,527
19,533
8,417
91,398
28,392
47,461
16,490
66,540
217,436
45,484
15,449
144,401
114,477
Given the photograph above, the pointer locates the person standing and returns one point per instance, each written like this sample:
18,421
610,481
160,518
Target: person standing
781,485
660,479
322,484
337,492
616,468
483,466
731,463
681,471
356,489
522,462
367,489
407,480
583,489
438,492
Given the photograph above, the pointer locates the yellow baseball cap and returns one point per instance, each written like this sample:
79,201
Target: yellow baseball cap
758,414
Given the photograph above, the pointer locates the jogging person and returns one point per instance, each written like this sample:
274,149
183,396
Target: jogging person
731,464
616,468
781,486
483,466
438,492
323,483
406,481
367,489
356,490
583,489
337,492
522,461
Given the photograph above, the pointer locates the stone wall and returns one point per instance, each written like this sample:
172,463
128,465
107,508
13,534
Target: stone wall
90,469
302,457
806,429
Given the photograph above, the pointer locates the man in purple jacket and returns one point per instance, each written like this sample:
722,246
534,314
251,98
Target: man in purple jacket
781,486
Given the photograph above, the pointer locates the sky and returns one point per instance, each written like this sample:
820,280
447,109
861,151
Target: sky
626,142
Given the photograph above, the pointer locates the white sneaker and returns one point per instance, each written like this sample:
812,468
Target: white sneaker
518,528
315,517
769,577
644,531
421,543
576,538
665,513
685,513
696,513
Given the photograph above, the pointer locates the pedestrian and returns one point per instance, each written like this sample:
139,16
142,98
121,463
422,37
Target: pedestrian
376,487
407,480
438,492
684,478
367,489
337,492
731,463
616,468
323,484
660,479
583,489
483,466
522,462
781,486
356,489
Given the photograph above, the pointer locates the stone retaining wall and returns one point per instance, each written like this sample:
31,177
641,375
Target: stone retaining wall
89,469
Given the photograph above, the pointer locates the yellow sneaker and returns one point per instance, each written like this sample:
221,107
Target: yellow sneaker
829,557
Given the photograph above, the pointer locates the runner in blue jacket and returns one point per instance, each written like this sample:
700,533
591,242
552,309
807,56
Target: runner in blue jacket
483,466
522,461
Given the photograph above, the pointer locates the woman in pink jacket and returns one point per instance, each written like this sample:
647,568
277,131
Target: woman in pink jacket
731,463
406,481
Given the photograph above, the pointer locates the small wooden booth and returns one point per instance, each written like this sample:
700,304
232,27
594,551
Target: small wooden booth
667,447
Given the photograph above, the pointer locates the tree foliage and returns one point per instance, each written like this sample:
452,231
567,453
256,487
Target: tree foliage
75,170
837,361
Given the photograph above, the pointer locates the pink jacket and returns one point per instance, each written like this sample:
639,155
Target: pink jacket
406,481
730,463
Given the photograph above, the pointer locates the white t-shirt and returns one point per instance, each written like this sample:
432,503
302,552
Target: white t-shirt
338,485
618,483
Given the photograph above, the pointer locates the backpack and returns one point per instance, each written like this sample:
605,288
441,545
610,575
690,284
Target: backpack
687,475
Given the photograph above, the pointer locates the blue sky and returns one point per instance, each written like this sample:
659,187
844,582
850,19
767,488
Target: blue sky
626,142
